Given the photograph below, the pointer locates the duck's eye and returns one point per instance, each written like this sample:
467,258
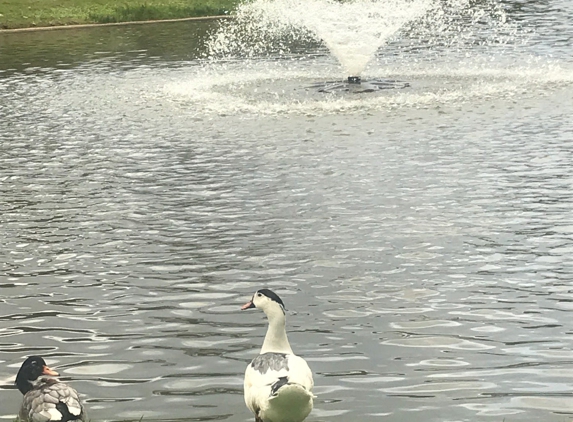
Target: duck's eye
259,294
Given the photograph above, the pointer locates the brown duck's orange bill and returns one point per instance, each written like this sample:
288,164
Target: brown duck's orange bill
48,371
248,305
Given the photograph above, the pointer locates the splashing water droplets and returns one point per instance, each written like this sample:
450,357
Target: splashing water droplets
278,56
352,31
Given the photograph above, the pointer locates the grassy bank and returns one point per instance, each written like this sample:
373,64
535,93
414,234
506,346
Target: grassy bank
31,13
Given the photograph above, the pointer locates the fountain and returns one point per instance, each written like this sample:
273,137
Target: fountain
352,31
276,56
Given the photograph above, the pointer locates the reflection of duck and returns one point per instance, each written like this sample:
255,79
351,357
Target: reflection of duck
278,383
46,399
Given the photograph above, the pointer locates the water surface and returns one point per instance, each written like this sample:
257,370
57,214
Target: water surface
422,239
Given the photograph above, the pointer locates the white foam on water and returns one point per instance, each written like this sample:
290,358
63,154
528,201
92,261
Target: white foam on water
267,88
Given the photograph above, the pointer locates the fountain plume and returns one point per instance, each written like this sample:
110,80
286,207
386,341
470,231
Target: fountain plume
352,31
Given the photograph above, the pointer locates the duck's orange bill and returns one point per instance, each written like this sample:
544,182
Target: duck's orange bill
48,371
248,305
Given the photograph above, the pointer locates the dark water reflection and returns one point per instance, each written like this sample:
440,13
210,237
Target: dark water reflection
424,252
134,45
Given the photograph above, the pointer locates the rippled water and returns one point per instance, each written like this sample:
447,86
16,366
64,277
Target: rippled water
422,239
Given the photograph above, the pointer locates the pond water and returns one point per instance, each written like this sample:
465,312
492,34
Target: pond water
421,238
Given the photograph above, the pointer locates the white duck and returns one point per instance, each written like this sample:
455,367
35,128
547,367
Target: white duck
46,399
278,383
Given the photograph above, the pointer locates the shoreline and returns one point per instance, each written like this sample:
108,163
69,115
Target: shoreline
94,25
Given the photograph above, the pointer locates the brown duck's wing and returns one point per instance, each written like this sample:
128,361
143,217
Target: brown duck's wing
52,402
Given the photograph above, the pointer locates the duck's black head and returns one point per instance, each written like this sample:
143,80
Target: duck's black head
31,370
271,295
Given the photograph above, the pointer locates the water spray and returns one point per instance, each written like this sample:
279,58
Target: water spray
353,31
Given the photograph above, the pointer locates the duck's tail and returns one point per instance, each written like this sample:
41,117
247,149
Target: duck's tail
288,401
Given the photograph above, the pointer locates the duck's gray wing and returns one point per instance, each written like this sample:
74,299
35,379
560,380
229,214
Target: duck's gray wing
52,402
270,362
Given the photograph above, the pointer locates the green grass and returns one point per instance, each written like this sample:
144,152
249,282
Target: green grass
30,13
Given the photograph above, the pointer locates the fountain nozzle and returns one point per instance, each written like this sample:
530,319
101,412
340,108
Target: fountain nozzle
354,80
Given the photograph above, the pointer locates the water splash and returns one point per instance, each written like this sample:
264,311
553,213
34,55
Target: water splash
270,88
270,58
465,26
352,31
